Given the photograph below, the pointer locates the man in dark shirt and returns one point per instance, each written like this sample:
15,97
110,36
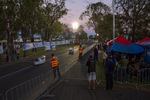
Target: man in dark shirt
109,71
96,54
91,64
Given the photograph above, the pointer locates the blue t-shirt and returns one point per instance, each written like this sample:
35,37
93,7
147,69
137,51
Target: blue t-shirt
110,66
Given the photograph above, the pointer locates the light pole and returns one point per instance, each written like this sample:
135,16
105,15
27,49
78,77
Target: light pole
113,20
75,26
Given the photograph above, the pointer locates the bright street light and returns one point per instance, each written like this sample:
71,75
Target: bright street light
75,25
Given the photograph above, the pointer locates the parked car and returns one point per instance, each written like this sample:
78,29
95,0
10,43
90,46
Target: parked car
40,60
71,50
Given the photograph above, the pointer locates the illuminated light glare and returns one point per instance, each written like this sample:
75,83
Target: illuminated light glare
75,25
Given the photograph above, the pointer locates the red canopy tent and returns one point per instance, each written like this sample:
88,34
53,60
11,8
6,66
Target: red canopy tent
143,40
119,39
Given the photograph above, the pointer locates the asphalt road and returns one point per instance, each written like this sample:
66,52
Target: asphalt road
16,73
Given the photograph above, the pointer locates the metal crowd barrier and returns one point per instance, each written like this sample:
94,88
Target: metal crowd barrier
34,87
140,77
63,70
1,97
144,77
87,49
28,88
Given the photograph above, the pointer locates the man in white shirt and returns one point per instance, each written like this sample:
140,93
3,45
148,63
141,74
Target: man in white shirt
104,56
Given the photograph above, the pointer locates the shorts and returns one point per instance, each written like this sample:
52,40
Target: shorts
91,76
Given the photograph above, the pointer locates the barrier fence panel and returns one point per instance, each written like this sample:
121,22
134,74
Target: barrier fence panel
132,76
63,69
28,88
144,76
1,97
87,49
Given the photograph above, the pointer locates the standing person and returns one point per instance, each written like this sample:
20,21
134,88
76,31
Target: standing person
17,52
123,68
80,51
104,56
54,64
91,64
96,54
109,71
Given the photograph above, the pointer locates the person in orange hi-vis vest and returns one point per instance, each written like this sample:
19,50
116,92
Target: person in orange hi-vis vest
80,51
55,65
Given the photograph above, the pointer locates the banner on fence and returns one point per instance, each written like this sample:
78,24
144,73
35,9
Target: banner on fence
47,48
67,42
61,42
57,42
46,43
38,44
1,50
27,46
64,42
53,43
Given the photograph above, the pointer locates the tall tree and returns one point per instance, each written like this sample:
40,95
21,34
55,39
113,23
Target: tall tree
29,12
57,29
2,22
100,18
53,12
68,31
81,34
133,16
29,17
8,18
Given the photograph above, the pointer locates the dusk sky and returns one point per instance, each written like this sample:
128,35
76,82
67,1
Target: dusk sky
76,7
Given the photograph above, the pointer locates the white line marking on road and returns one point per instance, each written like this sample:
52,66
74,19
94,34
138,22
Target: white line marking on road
28,67
16,72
